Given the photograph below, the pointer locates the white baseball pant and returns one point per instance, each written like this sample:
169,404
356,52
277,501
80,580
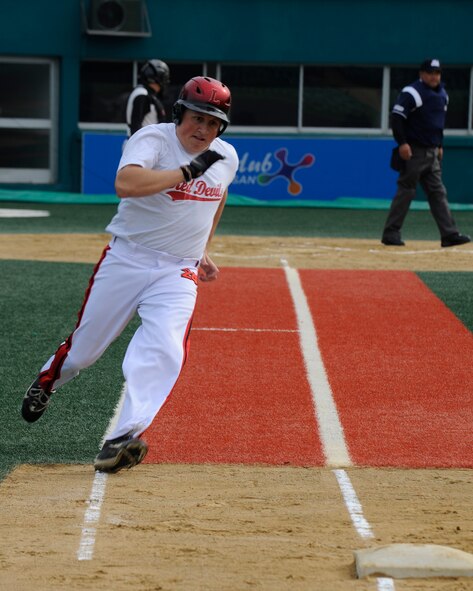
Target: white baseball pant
162,288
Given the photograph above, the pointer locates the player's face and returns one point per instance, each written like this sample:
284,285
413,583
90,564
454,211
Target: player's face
432,79
197,131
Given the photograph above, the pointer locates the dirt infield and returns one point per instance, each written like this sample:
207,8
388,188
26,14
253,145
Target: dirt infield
222,528
228,527
254,251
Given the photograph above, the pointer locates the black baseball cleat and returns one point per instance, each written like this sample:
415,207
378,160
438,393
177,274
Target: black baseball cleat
393,241
35,402
455,240
123,452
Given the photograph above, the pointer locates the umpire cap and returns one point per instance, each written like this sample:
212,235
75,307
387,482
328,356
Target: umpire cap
431,65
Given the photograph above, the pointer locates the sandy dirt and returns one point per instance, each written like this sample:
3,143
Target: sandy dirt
255,251
219,527
222,528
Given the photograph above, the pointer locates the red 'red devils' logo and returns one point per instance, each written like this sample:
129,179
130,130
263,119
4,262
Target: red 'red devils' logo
196,191
188,274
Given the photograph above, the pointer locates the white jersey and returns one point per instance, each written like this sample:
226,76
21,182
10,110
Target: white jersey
178,220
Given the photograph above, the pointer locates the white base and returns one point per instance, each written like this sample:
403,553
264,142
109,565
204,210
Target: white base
413,560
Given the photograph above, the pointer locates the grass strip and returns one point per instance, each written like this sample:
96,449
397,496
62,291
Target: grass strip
38,305
247,221
455,290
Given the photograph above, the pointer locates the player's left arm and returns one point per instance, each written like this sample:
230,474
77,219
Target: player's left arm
208,270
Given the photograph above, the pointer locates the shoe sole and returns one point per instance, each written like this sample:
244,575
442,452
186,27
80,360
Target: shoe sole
29,415
129,455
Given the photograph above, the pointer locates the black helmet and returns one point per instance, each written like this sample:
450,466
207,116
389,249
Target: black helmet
155,71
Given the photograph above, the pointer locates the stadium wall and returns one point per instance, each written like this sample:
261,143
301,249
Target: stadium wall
342,32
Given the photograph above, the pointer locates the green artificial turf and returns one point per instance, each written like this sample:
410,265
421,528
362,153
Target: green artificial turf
38,306
258,221
336,223
455,290
63,218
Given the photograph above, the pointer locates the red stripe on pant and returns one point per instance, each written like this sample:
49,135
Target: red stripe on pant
49,376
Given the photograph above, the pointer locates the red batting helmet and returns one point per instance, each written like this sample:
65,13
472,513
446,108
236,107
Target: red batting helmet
205,95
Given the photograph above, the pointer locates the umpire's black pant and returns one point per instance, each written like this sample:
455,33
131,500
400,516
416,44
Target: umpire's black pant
424,168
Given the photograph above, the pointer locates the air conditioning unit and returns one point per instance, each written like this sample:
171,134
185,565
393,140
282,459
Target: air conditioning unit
118,17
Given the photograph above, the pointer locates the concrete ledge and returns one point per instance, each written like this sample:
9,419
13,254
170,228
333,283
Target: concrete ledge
403,561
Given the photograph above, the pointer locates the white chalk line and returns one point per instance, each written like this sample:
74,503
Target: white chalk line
97,493
245,329
96,497
92,517
331,430
385,584
399,251
251,256
359,521
403,252
353,504
23,213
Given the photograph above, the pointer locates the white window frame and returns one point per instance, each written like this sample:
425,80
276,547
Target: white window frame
36,175
299,130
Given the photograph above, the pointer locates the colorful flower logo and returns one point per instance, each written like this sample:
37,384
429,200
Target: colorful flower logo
287,171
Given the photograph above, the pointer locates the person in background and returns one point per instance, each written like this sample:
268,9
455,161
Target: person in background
172,182
144,105
418,121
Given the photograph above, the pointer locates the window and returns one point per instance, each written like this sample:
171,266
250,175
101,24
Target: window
263,95
105,86
457,84
28,120
342,97
286,98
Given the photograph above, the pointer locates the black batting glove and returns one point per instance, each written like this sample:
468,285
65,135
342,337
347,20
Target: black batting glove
200,164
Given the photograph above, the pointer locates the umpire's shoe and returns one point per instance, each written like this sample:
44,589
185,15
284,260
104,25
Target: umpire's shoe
123,452
455,240
392,241
35,402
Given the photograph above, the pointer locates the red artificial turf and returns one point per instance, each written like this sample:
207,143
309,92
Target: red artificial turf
400,367
243,396
398,361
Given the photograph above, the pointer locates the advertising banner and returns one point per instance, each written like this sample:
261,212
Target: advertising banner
101,153
294,170
281,171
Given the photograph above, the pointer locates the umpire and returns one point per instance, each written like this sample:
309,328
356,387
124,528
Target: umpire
418,121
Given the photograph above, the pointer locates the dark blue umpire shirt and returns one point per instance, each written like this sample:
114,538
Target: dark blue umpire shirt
419,115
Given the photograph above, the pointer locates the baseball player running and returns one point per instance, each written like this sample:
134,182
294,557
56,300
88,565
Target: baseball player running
172,180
